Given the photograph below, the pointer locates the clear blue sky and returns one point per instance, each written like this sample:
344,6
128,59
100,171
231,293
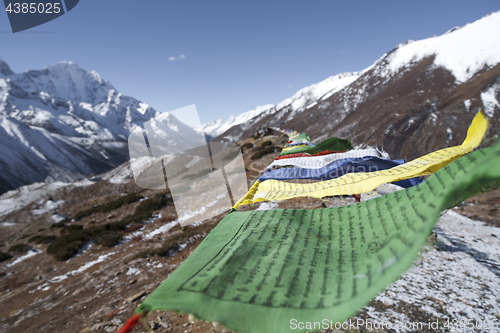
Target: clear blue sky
238,54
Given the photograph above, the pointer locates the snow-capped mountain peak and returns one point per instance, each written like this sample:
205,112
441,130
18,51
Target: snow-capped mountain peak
462,50
66,80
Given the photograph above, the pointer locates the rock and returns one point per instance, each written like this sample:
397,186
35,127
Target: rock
116,321
162,322
99,326
153,325
135,297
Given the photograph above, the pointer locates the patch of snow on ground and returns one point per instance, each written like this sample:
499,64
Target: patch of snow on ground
58,218
47,207
411,121
118,180
182,246
490,101
84,248
30,254
467,105
327,95
433,118
311,105
82,269
450,135
459,279
83,183
268,205
25,195
133,271
381,190
161,230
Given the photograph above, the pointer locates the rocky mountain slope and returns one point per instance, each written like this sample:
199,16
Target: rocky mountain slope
456,277
416,98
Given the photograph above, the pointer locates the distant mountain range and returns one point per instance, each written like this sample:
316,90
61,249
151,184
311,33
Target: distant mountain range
298,102
64,123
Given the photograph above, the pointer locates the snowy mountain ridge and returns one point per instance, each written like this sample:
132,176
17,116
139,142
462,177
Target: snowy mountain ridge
219,126
410,77
298,102
463,51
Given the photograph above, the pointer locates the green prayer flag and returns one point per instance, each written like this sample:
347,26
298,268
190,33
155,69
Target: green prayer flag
332,144
302,136
263,271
